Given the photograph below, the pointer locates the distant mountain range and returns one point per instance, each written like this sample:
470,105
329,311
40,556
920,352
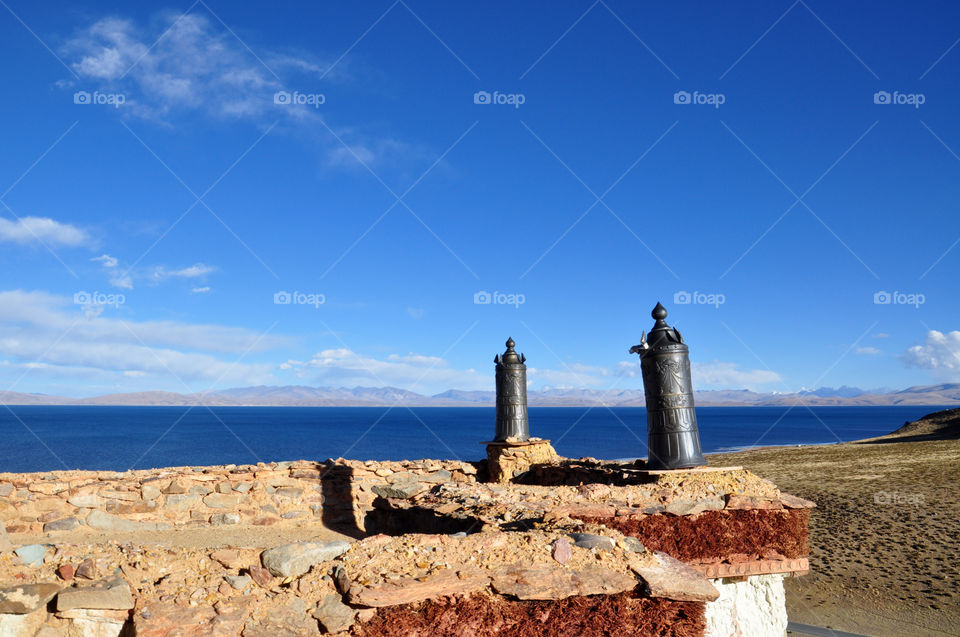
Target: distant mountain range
302,396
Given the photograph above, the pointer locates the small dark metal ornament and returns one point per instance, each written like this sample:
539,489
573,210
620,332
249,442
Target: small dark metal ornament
512,421
673,439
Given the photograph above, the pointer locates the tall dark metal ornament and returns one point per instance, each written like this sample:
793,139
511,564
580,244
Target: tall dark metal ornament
673,439
512,421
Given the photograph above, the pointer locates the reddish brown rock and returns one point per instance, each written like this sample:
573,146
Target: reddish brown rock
260,575
561,550
87,569
160,619
66,572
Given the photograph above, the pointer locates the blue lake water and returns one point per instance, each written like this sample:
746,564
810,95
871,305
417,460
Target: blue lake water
34,438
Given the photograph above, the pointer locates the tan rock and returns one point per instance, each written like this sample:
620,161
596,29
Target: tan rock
555,582
229,558
221,501
111,594
794,502
164,619
408,590
676,580
738,502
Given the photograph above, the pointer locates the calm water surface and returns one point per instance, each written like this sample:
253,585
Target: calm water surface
118,438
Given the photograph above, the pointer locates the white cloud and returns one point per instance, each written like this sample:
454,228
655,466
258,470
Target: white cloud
106,260
939,353
40,328
202,290
720,375
42,229
195,271
881,335
868,351
424,374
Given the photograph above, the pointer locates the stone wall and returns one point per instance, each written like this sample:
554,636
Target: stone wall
338,493
751,606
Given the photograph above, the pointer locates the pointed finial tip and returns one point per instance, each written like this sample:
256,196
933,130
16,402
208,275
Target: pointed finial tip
510,343
659,312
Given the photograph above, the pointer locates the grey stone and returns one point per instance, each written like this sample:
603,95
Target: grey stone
201,489
224,519
181,502
224,487
289,515
242,487
633,544
63,524
590,541
238,582
400,490
333,614
85,500
437,476
110,594
32,554
103,521
292,560
269,508
26,598
317,509
6,489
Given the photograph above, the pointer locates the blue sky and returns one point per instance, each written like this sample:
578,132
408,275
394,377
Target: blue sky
790,170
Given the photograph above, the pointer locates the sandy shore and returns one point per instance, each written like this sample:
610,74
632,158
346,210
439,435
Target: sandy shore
885,538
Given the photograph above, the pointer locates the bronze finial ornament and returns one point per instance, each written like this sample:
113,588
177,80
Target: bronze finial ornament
512,421
673,440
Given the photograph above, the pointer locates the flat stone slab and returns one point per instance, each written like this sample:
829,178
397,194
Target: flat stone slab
26,598
32,554
291,560
408,590
677,580
554,582
103,521
754,567
111,594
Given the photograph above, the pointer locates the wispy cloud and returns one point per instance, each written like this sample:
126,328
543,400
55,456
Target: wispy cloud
187,62
43,329
195,271
42,230
867,351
